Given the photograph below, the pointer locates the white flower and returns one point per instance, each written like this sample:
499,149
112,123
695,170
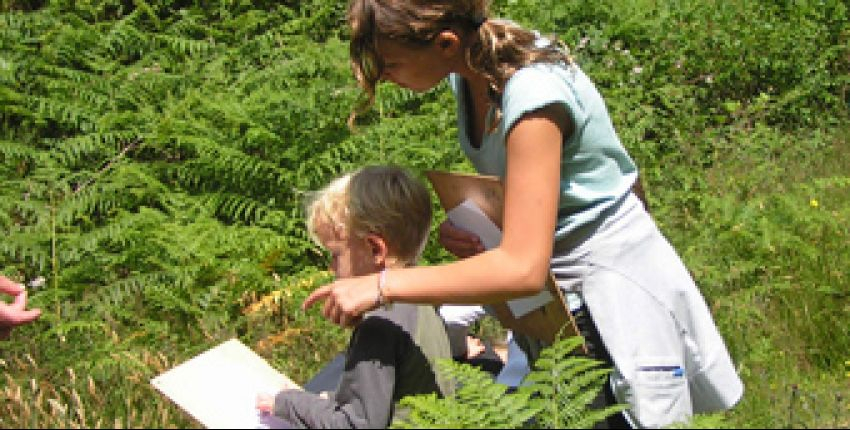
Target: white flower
583,42
36,282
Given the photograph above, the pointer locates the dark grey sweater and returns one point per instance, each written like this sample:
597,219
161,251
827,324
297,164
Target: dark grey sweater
390,355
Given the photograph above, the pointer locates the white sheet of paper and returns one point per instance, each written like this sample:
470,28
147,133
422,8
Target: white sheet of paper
219,387
470,217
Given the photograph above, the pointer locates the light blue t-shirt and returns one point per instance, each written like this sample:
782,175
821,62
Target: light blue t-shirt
596,170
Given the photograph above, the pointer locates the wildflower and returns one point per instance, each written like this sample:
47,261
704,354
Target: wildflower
813,203
583,42
36,283
637,70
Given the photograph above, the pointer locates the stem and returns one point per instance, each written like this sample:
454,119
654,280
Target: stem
54,261
381,136
132,145
791,406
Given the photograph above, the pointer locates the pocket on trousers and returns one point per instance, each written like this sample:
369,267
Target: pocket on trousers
660,390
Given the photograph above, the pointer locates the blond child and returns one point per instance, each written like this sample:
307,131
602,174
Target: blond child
371,220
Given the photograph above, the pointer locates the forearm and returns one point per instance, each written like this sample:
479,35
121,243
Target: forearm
490,277
310,410
364,398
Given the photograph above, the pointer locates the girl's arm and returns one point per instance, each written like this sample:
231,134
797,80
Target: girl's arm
517,267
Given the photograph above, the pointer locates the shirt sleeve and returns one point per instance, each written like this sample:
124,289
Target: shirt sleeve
534,87
364,398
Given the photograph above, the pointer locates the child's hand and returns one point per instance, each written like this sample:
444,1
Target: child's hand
474,347
265,403
459,242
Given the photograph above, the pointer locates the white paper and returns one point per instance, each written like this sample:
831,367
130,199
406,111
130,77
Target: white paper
219,387
470,217
520,307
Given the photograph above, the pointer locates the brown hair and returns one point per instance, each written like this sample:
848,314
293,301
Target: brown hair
497,50
385,200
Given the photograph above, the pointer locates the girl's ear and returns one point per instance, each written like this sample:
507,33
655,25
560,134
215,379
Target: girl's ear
379,250
448,43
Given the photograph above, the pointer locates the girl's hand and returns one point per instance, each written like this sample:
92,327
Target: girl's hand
346,300
459,242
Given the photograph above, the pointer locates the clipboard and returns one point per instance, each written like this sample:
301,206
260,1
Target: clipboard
543,323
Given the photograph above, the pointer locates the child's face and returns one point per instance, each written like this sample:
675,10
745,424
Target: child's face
351,256
415,69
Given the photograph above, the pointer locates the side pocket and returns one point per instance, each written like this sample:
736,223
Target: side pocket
660,390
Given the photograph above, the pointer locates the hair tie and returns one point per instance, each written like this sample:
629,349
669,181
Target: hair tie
478,20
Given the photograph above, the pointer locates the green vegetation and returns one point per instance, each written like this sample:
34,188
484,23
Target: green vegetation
154,158
556,395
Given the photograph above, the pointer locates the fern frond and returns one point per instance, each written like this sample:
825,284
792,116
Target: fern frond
225,165
555,395
16,151
128,187
122,231
237,207
477,402
181,45
27,245
125,38
117,294
77,116
71,150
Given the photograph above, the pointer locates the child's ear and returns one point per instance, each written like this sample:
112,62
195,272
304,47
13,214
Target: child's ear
378,247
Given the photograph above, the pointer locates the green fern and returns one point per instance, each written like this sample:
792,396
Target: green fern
556,394
566,385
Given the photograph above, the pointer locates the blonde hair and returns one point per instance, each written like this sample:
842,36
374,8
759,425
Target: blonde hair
384,200
497,49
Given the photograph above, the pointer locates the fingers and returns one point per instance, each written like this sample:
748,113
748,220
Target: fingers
15,313
331,310
9,287
20,314
355,320
339,307
459,242
474,347
320,294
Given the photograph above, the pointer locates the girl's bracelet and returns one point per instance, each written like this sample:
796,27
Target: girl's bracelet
381,299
